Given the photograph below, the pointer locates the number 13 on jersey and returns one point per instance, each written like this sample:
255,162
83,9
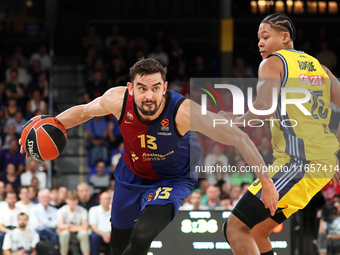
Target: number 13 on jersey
150,141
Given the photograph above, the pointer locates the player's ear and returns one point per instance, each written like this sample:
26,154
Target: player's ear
286,38
165,87
130,88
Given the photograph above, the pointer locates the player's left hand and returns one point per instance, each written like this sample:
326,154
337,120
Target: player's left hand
270,196
22,151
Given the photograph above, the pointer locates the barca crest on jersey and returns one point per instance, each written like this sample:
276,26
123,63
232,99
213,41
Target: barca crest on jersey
150,196
165,125
129,116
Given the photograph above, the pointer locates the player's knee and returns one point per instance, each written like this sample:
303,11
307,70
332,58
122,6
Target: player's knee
142,236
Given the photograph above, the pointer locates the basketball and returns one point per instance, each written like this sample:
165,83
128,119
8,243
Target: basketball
43,137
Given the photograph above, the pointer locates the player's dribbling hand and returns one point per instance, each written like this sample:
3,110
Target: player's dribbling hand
22,151
270,196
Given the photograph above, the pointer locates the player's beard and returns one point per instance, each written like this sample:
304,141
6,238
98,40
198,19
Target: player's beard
148,112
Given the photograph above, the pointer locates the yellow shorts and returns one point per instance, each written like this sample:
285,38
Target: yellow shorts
297,181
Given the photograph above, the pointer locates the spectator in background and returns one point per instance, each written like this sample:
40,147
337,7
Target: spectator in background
91,39
160,55
90,57
180,77
24,204
72,220
8,135
12,108
40,84
225,202
2,191
235,195
43,218
11,177
203,185
22,240
138,44
194,203
13,88
96,144
9,188
12,155
62,195
241,175
216,158
213,194
177,53
23,77
99,218
35,183
241,70
43,58
326,56
33,171
18,121
84,195
117,73
96,87
8,216
54,197
114,133
200,70
115,158
329,230
115,37
18,54
100,181
36,104
32,194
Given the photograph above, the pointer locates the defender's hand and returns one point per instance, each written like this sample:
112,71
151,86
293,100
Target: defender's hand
270,196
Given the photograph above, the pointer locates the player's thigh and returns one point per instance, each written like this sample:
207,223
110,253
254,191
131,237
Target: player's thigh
125,208
168,191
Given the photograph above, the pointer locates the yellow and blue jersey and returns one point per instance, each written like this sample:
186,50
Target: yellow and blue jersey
307,137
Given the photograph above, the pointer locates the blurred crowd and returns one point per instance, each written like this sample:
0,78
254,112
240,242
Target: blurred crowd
60,215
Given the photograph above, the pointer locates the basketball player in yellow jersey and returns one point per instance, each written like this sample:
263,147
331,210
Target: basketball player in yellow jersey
303,146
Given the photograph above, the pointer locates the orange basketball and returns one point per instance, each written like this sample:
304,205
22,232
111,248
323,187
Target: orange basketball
44,137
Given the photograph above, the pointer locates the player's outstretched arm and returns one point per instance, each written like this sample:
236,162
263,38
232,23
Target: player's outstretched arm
189,118
110,102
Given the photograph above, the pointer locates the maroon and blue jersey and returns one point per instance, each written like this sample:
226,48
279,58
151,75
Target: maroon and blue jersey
156,163
155,150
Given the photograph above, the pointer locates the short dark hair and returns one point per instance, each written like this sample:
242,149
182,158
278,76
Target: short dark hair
281,22
147,66
22,214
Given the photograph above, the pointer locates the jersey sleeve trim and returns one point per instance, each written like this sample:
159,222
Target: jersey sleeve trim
285,67
124,107
178,104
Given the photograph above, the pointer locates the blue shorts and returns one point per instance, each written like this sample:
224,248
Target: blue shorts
133,193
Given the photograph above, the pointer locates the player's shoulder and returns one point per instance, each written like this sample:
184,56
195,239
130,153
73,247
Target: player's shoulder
271,66
113,96
116,92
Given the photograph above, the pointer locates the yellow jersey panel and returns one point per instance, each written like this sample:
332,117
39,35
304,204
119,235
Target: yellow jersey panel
305,136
